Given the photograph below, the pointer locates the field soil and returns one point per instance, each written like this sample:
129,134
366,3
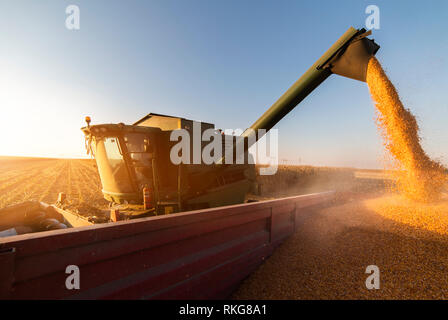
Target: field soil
42,179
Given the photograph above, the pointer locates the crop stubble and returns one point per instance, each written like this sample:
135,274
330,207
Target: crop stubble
24,179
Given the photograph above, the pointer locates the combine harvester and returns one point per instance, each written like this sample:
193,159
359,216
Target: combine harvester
203,250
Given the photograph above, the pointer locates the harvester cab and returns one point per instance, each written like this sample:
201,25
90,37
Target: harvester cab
135,159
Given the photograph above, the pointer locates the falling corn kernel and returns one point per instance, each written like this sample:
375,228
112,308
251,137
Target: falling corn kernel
418,177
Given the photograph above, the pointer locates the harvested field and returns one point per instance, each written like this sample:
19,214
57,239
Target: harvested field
23,179
327,257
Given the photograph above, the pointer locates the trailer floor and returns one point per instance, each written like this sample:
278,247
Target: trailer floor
327,257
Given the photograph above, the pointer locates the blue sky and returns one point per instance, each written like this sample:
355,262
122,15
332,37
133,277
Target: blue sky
223,62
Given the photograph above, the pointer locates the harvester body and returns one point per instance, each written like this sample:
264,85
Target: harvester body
133,157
